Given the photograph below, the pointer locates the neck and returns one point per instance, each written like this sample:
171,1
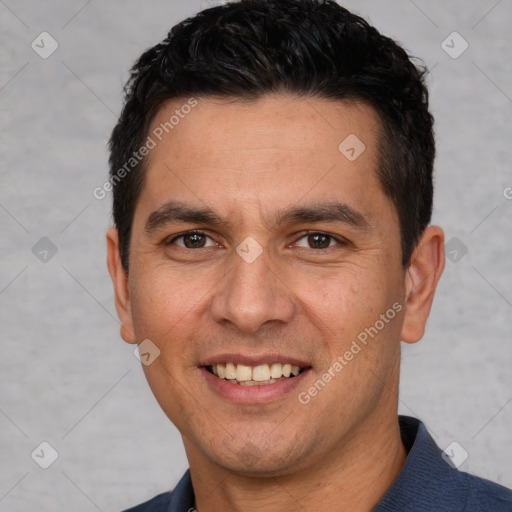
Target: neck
353,478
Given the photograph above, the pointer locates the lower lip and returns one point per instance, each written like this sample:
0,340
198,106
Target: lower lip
253,394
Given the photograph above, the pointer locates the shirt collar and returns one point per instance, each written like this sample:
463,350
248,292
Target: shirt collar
426,479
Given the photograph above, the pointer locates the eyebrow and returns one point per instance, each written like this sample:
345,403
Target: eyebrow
175,211
323,212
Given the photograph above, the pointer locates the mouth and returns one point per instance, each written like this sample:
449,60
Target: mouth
254,379
259,375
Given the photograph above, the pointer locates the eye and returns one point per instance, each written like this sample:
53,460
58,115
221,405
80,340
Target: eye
316,240
192,240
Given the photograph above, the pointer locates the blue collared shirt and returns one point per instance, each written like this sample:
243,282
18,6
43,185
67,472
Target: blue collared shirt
426,483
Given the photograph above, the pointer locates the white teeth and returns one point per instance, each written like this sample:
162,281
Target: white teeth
243,372
253,375
230,371
276,370
261,373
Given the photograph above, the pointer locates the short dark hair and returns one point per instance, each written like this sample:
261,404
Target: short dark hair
312,48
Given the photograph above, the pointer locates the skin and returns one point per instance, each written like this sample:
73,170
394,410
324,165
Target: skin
247,162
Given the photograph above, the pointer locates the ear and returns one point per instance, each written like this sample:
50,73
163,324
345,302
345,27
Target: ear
421,278
121,289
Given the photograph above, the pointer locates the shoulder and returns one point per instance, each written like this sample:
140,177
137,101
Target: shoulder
159,503
429,481
483,494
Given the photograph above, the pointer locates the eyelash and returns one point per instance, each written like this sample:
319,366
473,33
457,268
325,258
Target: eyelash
340,241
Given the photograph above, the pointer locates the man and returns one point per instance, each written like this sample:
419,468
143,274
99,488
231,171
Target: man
272,181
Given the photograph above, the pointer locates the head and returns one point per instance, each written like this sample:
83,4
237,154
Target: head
295,141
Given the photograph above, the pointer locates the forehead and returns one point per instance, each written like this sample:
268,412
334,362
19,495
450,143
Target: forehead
272,151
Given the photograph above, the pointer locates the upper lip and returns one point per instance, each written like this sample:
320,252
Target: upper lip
253,360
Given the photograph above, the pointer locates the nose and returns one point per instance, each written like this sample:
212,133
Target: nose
252,294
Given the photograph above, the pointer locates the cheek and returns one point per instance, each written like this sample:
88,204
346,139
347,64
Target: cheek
348,302
346,292
163,312
158,304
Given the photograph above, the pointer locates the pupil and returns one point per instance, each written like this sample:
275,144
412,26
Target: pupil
315,240
195,239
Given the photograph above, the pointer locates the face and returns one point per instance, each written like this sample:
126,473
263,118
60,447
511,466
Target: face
260,247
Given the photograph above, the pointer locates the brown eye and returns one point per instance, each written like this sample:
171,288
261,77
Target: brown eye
318,241
191,240
194,240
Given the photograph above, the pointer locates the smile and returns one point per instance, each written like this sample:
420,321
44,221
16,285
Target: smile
260,379
259,375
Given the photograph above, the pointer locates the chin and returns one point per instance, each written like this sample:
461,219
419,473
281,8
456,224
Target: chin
259,457
268,467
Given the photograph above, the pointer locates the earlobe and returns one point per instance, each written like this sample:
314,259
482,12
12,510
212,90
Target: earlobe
121,289
422,276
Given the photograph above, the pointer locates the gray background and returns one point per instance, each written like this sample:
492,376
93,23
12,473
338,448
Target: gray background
66,376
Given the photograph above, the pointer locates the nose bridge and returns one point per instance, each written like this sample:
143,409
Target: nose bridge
252,293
